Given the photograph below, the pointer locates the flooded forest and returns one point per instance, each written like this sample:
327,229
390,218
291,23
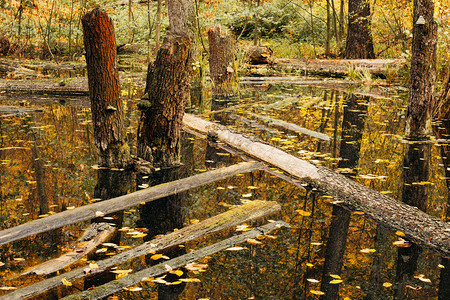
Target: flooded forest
224,149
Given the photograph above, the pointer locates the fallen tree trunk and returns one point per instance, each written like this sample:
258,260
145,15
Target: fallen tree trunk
293,127
417,226
340,67
91,211
95,235
250,211
119,284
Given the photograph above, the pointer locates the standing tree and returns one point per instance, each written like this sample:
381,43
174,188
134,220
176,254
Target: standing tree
418,126
103,78
359,37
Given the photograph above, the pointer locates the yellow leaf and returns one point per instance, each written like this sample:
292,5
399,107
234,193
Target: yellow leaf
387,284
175,282
156,256
122,271
367,250
309,265
189,279
254,242
314,292
177,272
335,281
139,235
335,276
66,282
399,233
303,213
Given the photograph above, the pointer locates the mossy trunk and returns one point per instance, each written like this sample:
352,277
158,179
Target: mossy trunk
163,103
103,78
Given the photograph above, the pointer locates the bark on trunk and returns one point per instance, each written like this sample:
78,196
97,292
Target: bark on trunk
163,103
103,78
221,54
423,71
359,37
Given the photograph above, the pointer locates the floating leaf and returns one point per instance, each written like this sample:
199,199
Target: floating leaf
134,289
99,214
336,281
236,248
177,272
19,259
314,292
66,282
316,243
441,266
243,227
247,195
174,283
367,250
7,288
252,187
309,265
312,280
253,242
303,213
196,266
387,284
399,233
189,279
122,271
2,264
139,235
335,276
156,256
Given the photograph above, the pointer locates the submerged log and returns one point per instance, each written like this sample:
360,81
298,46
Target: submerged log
249,211
293,127
418,226
95,235
119,284
91,211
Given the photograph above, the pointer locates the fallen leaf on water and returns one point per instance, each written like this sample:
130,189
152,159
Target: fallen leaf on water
399,233
196,266
254,242
336,281
314,292
441,266
99,214
335,276
174,283
7,288
19,259
122,271
134,289
313,280
309,265
2,264
387,284
189,279
66,282
156,256
316,243
236,248
303,213
367,250
177,272
138,235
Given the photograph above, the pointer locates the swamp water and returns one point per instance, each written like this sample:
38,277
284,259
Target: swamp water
48,165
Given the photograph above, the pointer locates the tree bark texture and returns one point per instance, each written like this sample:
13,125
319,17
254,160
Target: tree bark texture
163,103
221,55
104,92
359,37
181,16
423,71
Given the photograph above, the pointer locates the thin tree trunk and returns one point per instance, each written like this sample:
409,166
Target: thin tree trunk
327,42
359,36
103,78
158,25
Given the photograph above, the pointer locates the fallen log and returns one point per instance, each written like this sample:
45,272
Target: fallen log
94,210
339,67
95,235
249,211
293,127
69,87
119,284
417,226
252,123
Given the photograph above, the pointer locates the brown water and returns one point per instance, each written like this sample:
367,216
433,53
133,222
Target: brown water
367,146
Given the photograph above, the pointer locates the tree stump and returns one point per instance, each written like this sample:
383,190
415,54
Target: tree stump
103,78
163,103
5,45
221,55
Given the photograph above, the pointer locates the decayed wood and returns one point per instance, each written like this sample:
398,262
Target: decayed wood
91,211
249,211
293,127
119,284
418,226
379,67
74,87
95,235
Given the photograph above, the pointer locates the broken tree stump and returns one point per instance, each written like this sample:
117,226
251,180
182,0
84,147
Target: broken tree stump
104,92
163,104
249,211
259,55
418,226
221,56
